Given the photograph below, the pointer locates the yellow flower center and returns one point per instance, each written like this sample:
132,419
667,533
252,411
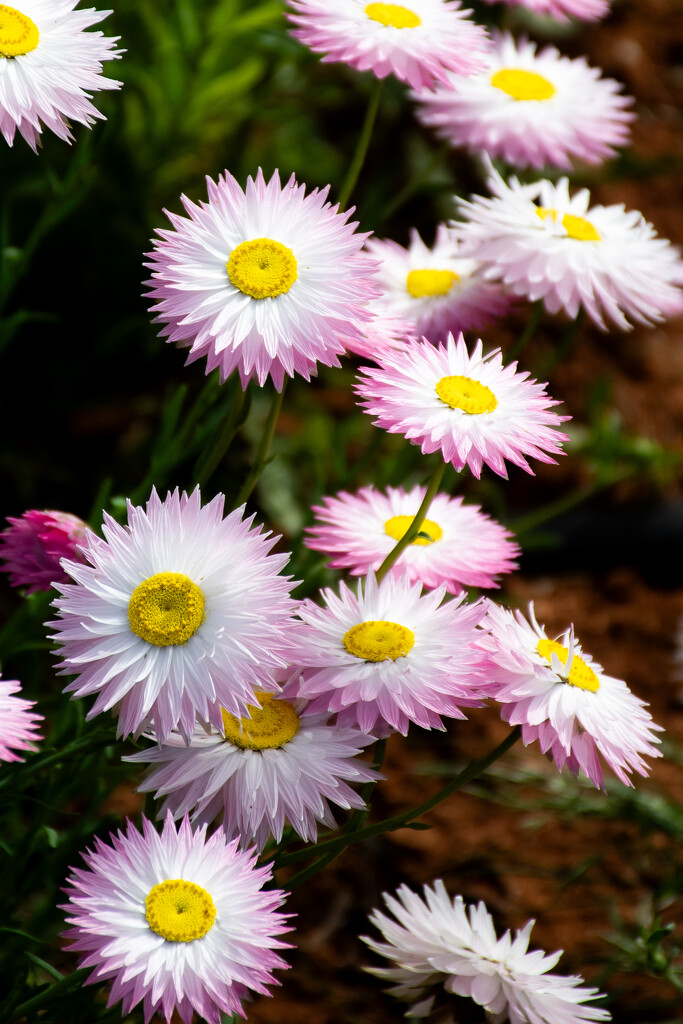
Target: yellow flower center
576,227
398,526
523,85
420,283
580,674
393,15
18,34
262,268
378,640
166,610
180,911
471,396
272,724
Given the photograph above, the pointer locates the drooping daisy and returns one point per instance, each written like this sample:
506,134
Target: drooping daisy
562,10
18,724
437,288
179,614
419,42
263,281
386,656
50,67
458,545
33,544
470,407
564,700
177,921
283,764
542,243
530,109
438,941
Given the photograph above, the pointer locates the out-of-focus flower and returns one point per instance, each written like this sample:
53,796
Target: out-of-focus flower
542,243
50,67
265,281
176,921
564,700
18,724
457,546
441,943
471,408
180,614
419,42
530,109
33,544
562,10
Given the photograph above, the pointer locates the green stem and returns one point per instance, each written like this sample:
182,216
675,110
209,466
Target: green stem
356,164
416,525
53,992
527,334
358,817
525,524
261,459
231,425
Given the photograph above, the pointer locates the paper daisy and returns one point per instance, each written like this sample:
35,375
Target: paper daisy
458,545
562,10
471,408
50,67
176,921
179,614
438,289
386,656
419,42
542,243
530,109
17,723
438,941
264,281
33,544
281,765
564,700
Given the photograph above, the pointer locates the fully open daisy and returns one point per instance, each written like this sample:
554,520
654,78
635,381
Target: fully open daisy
264,281
543,243
50,67
33,545
176,921
180,614
419,41
531,109
441,943
564,700
281,765
438,289
562,10
18,724
458,545
386,656
470,407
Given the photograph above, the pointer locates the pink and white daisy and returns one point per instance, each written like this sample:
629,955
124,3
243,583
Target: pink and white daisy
471,408
562,10
530,109
458,546
265,281
565,700
438,941
419,41
177,921
50,67
282,765
542,243
438,289
386,656
18,724
180,614
33,544
384,332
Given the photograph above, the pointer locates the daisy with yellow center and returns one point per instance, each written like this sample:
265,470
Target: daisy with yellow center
420,41
387,655
178,922
50,67
531,109
565,700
